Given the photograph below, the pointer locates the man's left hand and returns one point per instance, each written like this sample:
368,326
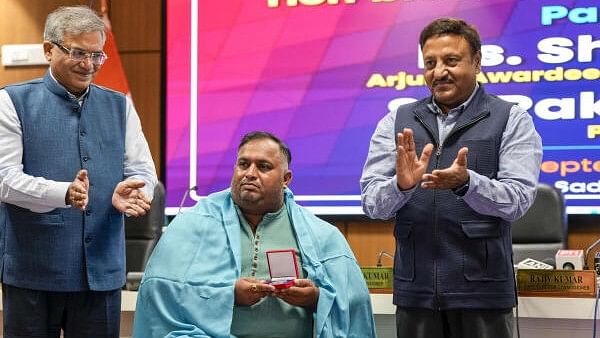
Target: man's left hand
129,198
249,291
303,293
452,177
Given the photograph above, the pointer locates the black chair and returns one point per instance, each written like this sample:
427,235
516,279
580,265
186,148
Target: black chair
542,231
141,235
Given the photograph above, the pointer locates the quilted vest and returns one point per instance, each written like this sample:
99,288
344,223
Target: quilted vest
447,255
67,249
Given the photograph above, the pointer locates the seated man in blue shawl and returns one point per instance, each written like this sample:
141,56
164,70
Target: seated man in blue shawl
208,274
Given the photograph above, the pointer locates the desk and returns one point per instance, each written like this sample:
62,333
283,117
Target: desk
538,316
541,317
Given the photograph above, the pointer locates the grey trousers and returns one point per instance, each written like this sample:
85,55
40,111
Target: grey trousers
472,323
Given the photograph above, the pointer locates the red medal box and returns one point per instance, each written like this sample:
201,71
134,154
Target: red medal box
283,268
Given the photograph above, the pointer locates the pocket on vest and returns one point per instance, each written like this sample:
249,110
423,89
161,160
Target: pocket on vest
484,254
37,236
404,261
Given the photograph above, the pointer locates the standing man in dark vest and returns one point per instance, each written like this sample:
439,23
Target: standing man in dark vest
455,169
73,161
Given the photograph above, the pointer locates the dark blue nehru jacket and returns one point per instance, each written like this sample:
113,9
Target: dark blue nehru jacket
67,249
447,255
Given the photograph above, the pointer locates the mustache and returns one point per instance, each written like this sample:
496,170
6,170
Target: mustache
442,81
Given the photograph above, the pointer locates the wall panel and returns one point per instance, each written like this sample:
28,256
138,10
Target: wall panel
369,238
143,74
138,23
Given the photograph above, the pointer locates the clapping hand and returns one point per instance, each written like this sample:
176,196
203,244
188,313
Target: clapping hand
452,177
77,193
129,198
410,168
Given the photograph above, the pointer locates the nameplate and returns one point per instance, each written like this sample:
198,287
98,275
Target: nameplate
556,283
379,279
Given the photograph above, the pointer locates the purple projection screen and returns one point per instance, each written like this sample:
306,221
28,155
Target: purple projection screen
320,74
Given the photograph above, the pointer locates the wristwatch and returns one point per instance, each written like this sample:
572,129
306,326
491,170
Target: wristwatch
462,190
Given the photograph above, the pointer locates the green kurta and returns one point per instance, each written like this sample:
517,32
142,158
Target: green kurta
271,316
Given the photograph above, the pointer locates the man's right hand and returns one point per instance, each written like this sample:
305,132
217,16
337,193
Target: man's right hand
409,168
129,198
249,291
77,194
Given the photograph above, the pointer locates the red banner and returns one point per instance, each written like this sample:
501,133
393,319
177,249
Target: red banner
111,74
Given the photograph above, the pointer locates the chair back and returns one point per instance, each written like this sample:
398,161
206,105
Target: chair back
142,233
543,229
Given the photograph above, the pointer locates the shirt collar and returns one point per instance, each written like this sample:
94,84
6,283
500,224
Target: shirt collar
434,108
274,215
267,218
71,95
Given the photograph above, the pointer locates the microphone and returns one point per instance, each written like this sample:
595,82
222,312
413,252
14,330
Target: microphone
530,263
380,256
187,192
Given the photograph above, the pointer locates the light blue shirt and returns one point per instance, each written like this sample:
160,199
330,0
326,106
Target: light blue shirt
508,196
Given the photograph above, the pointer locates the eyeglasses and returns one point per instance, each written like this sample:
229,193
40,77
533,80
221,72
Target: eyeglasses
76,54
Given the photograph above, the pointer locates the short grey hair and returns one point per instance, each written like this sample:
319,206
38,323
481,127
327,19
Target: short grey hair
72,20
